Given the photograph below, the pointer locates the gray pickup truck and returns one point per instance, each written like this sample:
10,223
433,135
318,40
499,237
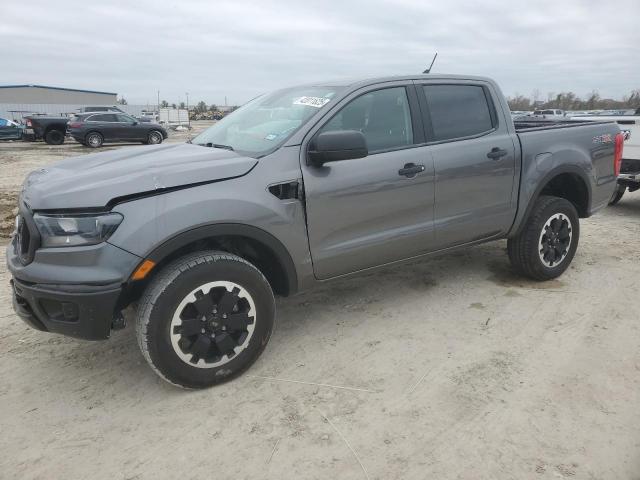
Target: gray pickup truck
297,187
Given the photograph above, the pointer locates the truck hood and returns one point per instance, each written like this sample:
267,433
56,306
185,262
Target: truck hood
96,180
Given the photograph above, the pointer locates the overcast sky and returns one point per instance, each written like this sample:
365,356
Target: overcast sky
239,49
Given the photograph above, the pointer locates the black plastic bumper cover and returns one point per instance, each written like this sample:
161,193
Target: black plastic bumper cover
74,311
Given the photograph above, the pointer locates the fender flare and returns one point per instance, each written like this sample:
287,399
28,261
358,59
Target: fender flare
572,169
204,232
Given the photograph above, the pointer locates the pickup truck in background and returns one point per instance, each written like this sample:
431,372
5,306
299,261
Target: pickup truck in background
550,114
48,128
297,187
629,178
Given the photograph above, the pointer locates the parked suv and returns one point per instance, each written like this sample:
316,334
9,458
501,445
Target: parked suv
297,187
94,129
101,108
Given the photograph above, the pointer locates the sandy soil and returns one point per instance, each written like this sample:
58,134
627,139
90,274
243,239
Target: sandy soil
447,368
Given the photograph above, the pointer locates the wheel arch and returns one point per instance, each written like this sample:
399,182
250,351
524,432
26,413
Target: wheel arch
568,182
89,132
253,244
48,128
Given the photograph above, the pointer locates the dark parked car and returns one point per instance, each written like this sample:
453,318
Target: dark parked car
10,130
101,108
94,129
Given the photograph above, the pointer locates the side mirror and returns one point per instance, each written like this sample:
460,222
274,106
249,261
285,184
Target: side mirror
338,145
135,122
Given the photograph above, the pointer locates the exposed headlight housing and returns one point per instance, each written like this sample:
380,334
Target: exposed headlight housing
67,230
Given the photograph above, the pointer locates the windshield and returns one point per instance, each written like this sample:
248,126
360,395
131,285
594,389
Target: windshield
262,125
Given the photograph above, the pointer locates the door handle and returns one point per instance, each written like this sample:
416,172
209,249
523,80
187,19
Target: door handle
497,153
410,170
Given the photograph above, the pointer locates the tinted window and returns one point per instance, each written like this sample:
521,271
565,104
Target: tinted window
102,118
125,118
383,116
458,110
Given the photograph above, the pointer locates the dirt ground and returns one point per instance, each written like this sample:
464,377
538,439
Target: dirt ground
446,368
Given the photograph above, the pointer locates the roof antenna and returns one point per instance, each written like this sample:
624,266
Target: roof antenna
432,62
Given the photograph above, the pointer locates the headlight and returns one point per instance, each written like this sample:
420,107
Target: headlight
71,230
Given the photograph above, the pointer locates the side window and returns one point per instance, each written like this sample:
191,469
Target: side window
383,116
97,118
458,111
124,118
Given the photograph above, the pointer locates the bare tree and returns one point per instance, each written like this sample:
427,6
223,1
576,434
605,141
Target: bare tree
201,107
519,102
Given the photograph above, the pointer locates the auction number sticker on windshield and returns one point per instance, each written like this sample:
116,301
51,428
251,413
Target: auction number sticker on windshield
317,102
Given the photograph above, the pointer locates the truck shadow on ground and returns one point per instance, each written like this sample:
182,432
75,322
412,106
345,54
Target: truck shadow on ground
382,287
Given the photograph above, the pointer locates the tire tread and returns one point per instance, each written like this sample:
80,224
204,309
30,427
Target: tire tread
165,278
522,247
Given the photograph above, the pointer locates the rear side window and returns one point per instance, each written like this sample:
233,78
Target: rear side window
383,116
458,111
102,118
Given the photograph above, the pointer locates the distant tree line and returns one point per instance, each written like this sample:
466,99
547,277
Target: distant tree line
199,107
570,101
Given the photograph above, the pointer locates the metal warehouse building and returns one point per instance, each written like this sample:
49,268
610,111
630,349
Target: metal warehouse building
42,94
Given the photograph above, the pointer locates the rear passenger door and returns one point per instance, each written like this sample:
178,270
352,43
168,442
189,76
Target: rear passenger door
106,124
474,161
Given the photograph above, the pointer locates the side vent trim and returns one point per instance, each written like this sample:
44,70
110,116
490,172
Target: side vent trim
285,191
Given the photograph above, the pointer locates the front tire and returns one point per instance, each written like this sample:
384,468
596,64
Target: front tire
154,138
205,318
548,242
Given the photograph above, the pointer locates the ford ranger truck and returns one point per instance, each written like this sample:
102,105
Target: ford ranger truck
296,188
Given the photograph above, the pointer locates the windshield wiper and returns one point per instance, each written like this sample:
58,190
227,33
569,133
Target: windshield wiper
217,145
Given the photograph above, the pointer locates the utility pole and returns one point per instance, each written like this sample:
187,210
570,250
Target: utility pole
188,117
158,102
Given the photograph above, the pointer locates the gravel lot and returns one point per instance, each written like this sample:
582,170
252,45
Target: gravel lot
446,368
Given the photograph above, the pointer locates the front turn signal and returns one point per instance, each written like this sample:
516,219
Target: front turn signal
142,271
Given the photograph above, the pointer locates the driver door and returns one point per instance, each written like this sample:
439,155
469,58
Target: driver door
128,129
365,212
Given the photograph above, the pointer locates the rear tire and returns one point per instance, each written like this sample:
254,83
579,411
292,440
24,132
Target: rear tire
548,242
94,140
617,194
205,318
54,137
